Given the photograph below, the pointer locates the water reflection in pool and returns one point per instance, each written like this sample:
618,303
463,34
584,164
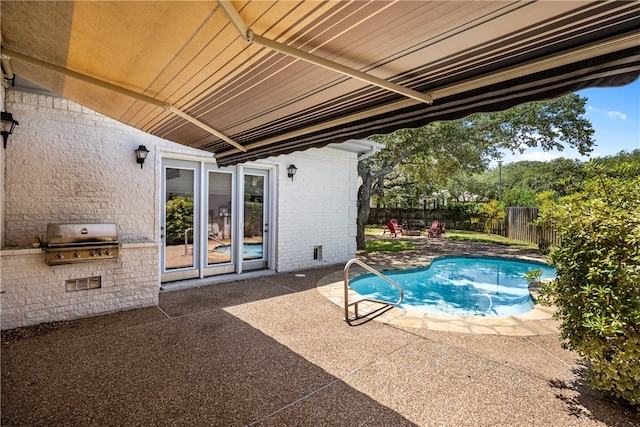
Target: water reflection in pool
474,285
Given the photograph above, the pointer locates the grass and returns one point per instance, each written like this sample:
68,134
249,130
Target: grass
388,246
474,236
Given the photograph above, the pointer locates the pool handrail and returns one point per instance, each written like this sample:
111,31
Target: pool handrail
355,303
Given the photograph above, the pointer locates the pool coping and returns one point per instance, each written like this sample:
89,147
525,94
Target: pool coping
538,321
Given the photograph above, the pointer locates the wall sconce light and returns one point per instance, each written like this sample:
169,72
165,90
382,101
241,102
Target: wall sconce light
291,171
141,155
8,124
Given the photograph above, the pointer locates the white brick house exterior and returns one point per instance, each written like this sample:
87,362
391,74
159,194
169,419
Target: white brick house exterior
66,163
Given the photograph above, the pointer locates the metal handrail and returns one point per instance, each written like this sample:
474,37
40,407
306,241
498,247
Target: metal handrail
355,303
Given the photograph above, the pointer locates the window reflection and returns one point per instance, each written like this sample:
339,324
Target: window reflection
219,218
179,211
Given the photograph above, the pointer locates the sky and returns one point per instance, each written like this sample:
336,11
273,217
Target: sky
614,114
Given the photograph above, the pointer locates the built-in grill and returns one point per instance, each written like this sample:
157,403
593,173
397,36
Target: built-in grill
71,243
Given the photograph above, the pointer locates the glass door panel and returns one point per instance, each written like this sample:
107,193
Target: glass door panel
180,222
255,226
219,218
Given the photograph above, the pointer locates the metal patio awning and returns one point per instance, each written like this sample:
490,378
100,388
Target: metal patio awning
252,79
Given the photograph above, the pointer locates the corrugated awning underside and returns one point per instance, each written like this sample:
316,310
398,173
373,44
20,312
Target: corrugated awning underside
184,71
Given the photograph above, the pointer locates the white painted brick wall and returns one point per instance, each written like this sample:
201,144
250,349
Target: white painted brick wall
2,163
35,292
317,208
66,163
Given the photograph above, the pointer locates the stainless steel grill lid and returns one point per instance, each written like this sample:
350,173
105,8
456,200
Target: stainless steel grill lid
60,234
72,243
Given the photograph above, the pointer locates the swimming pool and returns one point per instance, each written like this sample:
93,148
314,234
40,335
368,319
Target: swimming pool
462,285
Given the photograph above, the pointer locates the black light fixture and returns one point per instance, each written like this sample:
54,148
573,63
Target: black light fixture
291,171
141,155
8,124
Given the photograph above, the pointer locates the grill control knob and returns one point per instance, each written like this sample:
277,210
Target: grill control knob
92,253
107,252
60,255
76,254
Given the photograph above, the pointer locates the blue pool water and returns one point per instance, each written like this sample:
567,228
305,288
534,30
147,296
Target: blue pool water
249,250
463,286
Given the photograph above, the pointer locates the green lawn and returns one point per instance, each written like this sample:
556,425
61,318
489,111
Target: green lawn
387,246
475,236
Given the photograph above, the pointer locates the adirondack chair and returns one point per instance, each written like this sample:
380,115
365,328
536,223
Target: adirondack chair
394,228
397,226
436,229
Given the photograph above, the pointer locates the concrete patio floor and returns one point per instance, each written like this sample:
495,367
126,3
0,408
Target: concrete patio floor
273,351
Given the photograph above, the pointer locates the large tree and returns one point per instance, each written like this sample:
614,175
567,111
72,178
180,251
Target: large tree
415,162
524,176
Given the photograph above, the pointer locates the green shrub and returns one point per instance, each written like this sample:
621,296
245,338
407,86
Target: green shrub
597,290
462,211
179,217
493,214
519,197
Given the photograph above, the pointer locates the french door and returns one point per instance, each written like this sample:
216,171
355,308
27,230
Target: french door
255,229
211,222
180,220
220,222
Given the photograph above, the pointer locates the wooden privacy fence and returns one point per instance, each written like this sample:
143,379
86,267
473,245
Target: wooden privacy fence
522,227
382,215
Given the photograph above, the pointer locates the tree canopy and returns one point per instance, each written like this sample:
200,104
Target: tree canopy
521,181
417,162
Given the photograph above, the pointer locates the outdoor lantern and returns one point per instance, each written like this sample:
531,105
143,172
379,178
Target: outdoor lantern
8,124
141,155
291,170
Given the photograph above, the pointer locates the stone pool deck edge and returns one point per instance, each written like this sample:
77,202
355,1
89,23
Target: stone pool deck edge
538,321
